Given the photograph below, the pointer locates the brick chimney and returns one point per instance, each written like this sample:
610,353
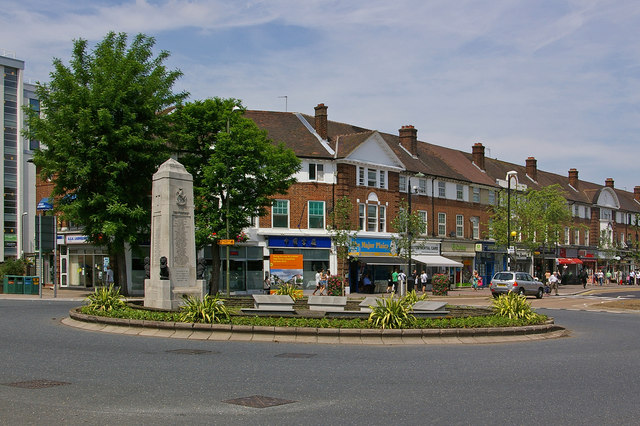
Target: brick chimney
532,168
573,178
409,139
608,182
636,192
321,121
478,155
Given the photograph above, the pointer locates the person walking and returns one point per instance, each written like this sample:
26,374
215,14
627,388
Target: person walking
318,281
109,276
553,282
402,279
423,280
475,280
393,283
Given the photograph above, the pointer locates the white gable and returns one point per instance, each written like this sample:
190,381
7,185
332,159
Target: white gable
608,198
375,151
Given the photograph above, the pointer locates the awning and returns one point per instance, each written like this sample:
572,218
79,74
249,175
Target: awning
436,260
45,204
568,261
383,260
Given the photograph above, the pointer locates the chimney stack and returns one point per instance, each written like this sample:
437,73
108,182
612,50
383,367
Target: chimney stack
478,155
321,121
409,139
532,168
573,178
608,182
636,192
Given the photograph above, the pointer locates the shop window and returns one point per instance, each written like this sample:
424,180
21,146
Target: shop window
280,214
316,214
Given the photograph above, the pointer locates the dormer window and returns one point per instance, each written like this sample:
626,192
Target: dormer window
316,172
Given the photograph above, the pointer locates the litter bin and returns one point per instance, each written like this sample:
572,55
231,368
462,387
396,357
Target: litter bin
28,285
19,284
9,285
35,285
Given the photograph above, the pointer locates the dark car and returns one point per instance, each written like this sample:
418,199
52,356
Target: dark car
517,282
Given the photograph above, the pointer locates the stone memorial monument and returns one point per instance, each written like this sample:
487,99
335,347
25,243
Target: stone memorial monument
172,267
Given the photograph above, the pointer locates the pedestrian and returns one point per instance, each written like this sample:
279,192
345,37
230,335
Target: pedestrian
553,282
318,281
393,282
323,282
266,285
583,278
423,280
109,276
547,275
475,280
402,279
411,280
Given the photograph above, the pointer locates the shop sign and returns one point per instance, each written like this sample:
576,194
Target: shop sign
373,247
428,248
286,268
76,239
10,237
60,239
299,242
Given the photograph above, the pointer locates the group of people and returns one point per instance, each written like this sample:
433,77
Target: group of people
600,277
414,281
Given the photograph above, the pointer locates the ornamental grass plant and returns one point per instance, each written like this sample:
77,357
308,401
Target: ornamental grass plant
106,299
512,305
209,310
392,313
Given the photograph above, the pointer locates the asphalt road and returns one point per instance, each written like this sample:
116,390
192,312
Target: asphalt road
588,378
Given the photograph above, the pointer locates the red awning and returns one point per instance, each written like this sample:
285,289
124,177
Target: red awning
568,261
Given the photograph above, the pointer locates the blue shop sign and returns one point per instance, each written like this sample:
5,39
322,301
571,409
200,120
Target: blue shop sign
290,241
373,247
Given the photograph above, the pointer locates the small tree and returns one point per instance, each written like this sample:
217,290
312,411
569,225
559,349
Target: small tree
408,228
342,230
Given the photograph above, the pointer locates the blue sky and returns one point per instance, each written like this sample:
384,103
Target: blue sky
556,80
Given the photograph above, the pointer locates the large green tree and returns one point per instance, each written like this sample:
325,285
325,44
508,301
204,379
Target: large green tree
102,131
236,169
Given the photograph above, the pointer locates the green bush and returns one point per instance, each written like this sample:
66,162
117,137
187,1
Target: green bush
13,267
392,313
440,285
412,297
335,284
289,290
106,299
512,305
208,310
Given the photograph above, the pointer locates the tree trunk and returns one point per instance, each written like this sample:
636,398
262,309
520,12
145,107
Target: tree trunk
119,266
215,270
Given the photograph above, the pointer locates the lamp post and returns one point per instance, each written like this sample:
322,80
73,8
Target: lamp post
24,218
409,233
510,175
235,108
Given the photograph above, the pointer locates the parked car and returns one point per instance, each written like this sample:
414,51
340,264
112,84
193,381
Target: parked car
517,282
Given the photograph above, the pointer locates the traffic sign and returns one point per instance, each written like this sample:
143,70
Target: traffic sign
226,242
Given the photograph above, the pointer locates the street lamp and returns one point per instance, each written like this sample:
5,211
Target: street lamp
510,175
235,108
24,217
409,234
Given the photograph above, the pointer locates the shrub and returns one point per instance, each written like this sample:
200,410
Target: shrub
106,299
335,284
512,305
13,267
440,285
208,310
289,290
412,297
391,313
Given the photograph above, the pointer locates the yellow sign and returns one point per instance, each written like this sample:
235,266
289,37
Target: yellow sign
226,242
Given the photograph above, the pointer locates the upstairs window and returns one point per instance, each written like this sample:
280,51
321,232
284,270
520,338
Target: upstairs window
316,172
492,197
442,224
423,217
316,214
459,192
476,194
442,190
372,177
459,226
402,184
280,214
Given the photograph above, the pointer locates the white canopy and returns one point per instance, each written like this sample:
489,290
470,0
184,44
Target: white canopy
436,260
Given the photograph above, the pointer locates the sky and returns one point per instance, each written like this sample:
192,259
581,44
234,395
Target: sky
558,80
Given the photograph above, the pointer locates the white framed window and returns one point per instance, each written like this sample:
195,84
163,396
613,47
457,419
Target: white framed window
442,224
361,171
567,236
459,226
476,194
423,217
422,186
402,184
382,218
475,228
280,214
586,237
382,179
492,197
316,214
361,216
605,214
442,189
372,177
316,172
459,192
372,217
576,237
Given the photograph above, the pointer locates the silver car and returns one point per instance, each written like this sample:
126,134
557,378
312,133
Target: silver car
517,282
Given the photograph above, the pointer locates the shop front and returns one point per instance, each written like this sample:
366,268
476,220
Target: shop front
373,258
82,265
316,252
463,252
488,259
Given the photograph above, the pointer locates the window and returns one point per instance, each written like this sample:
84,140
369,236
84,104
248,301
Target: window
402,184
372,177
586,237
567,239
382,219
442,224
316,214
492,197
459,225
361,208
422,186
476,194
372,217
576,237
280,213
459,192
316,172
475,228
442,191
605,214
423,217
576,210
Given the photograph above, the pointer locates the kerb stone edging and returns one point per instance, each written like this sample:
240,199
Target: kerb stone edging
334,335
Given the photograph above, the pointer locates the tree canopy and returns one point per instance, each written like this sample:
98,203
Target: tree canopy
409,227
103,135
